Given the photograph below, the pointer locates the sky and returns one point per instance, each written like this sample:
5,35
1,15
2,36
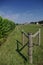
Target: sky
22,11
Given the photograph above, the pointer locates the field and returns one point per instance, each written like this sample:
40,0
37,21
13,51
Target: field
8,50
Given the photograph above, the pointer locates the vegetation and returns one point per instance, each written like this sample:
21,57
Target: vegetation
9,54
39,22
5,27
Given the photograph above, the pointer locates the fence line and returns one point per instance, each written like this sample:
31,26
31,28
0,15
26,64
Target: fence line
34,35
30,43
25,33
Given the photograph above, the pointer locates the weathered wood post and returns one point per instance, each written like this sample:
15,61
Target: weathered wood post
39,37
30,48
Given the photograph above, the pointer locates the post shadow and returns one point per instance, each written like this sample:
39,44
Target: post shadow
21,55
19,42
18,50
23,46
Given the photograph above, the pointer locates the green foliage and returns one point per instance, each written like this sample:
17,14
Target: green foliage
5,26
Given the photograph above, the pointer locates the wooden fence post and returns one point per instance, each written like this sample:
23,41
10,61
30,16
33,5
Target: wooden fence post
30,48
30,45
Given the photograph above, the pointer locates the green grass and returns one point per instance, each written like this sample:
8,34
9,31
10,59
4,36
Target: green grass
8,53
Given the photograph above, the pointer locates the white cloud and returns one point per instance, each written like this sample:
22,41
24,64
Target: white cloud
21,17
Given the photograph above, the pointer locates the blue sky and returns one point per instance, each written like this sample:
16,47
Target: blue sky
21,11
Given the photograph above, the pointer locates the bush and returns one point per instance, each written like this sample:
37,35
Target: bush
5,27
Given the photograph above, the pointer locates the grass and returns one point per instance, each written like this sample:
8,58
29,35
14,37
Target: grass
8,53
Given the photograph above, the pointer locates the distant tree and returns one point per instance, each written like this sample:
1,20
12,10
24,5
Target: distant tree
40,22
17,24
32,22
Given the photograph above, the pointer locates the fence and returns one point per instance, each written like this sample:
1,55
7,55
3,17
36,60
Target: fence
30,43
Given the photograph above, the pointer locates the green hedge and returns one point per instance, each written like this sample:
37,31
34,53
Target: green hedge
5,26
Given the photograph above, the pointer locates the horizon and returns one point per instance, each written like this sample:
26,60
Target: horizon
22,11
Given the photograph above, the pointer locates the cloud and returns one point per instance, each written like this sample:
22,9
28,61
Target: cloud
21,17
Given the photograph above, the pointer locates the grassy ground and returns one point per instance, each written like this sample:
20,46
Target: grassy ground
9,54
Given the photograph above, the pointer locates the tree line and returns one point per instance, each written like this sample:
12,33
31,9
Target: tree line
39,22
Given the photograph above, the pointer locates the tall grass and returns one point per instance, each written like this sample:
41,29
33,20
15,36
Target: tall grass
8,53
